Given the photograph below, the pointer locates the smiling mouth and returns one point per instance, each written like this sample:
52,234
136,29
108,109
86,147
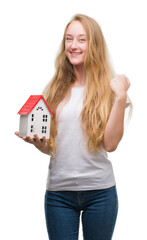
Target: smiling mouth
75,53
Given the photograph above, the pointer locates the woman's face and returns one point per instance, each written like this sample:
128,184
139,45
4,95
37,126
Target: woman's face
76,44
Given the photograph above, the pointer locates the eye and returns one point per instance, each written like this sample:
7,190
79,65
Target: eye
82,40
69,39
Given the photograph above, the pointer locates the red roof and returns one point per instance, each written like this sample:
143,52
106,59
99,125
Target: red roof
31,103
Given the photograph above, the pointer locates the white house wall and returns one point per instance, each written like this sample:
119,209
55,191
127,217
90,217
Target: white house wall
23,123
37,122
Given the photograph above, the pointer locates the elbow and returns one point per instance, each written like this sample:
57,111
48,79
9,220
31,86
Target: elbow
110,148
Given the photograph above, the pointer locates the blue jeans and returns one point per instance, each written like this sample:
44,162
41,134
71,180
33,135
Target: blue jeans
99,212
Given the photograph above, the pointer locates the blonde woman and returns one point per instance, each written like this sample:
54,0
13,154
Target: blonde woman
88,103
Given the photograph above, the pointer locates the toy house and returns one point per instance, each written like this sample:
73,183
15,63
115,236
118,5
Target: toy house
35,117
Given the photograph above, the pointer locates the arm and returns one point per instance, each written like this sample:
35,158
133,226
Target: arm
115,125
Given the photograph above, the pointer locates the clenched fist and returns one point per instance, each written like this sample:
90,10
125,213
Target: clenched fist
119,85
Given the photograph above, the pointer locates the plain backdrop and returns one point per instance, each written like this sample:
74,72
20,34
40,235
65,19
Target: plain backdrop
31,33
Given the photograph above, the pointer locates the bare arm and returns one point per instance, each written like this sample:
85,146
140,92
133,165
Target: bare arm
115,125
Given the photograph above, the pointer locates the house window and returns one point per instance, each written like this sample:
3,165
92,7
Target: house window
44,118
39,108
44,129
31,128
32,117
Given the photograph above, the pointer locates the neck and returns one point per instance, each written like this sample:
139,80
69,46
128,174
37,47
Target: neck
80,76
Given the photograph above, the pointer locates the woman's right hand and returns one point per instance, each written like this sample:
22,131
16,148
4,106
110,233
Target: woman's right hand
40,144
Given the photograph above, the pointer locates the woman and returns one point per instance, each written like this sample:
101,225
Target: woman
88,104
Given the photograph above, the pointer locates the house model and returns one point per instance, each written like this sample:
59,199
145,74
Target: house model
35,117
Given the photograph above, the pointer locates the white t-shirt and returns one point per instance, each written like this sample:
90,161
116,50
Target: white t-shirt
74,168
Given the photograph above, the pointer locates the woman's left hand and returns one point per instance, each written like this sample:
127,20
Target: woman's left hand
119,85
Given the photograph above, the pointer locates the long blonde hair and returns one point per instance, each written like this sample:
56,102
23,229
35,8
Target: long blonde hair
98,98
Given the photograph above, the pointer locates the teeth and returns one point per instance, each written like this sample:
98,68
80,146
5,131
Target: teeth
75,53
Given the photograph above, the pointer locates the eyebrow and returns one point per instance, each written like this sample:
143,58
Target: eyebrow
78,35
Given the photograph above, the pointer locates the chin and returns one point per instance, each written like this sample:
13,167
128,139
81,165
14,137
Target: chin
74,63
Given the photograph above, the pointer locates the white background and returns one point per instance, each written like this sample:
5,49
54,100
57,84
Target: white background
31,32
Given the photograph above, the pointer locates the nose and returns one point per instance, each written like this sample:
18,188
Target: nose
74,44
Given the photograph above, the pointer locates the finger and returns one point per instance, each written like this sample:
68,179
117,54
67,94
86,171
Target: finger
36,138
43,139
123,75
28,139
17,134
128,80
